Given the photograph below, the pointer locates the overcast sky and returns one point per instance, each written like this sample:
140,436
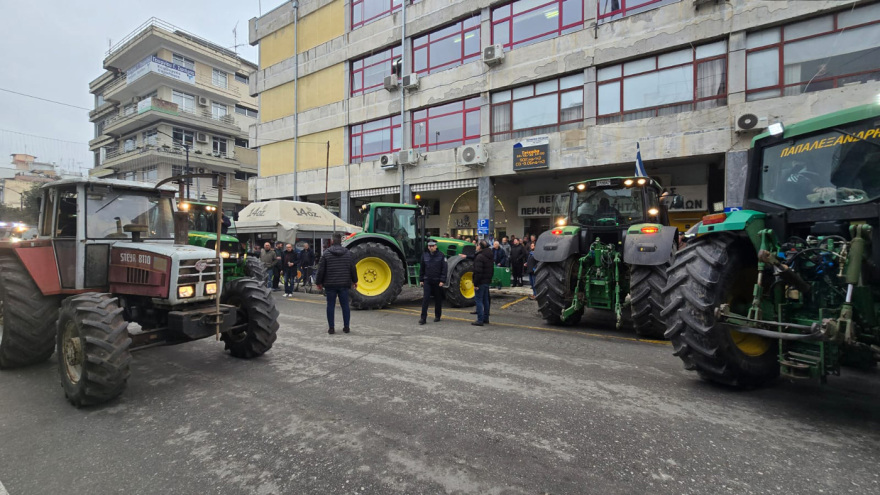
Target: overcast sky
52,49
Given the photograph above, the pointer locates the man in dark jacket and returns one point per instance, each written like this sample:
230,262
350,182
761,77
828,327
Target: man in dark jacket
500,256
276,270
517,262
336,274
306,261
432,278
267,256
484,268
288,264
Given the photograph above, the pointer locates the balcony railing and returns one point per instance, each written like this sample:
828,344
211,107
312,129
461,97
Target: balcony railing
172,149
204,115
154,22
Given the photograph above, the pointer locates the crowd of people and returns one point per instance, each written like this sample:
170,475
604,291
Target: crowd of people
285,261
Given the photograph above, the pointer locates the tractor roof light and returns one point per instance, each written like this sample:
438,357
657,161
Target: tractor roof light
628,182
641,182
714,218
776,129
581,187
650,229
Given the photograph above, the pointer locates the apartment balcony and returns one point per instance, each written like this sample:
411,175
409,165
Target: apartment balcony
102,111
102,140
152,72
156,110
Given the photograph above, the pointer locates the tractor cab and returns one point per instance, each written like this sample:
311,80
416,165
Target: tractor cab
403,223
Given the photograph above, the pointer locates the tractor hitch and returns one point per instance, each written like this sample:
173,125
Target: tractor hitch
817,331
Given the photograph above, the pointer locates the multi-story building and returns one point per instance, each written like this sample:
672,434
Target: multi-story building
502,103
169,100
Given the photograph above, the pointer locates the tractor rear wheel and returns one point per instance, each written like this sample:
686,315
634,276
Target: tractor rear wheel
256,321
255,269
646,300
93,357
714,270
380,276
27,317
554,285
460,292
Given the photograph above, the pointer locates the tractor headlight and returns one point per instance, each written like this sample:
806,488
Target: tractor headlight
641,182
186,291
211,288
628,182
653,212
224,254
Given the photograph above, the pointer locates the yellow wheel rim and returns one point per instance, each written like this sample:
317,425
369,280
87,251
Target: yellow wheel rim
374,276
750,345
466,285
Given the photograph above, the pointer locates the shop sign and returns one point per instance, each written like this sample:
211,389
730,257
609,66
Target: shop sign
536,206
531,153
695,198
159,66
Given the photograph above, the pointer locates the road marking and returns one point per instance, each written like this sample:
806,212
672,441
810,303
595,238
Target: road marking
3,490
514,302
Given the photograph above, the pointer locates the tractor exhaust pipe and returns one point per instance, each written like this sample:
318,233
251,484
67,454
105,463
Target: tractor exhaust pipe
181,227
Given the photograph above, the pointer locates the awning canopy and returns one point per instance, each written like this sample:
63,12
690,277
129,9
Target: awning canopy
287,220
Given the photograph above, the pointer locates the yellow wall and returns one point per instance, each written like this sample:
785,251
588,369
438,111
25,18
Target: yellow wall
315,90
319,27
277,158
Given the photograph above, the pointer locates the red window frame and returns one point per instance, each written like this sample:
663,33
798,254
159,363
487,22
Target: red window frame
356,3
358,133
509,134
625,8
780,50
508,18
359,66
693,101
467,107
425,42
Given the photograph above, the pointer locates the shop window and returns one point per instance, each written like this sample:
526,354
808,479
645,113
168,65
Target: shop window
525,22
675,82
447,126
821,53
611,10
373,139
367,11
368,74
548,106
448,47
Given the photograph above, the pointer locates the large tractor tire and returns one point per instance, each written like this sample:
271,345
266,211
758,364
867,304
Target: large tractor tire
714,270
27,317
380,276
646,300
93,348
554,286
255,269
256,321
461,292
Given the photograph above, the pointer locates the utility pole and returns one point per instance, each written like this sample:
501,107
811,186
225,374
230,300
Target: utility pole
327,174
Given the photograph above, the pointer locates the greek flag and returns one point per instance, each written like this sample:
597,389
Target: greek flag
640,167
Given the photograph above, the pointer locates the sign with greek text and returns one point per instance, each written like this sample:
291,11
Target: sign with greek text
531,153
695,198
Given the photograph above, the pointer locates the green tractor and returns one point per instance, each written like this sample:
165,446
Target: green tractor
790,284
203,233
612,223
388,251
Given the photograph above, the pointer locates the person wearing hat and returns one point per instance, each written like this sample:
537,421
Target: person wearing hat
432,276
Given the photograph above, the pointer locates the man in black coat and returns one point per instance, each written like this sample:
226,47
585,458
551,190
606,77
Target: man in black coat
336,274
484,268
288,264
277,268
517,262
432,277
305,261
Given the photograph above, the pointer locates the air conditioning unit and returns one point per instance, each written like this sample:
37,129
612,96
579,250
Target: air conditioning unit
389,161
203,101
391,82
493,55
408,157
472,155
201,137
750,122
411,81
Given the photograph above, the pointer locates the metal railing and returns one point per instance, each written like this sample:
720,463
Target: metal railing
174,149
204,115
155,22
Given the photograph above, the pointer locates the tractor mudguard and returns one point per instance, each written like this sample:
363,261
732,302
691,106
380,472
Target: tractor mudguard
39,261
554,248
648,249
380,238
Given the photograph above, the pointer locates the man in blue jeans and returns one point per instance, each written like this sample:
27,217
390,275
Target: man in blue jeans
336,274
484,268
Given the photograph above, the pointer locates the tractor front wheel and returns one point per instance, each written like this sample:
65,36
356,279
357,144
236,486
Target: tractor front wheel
460,292
27,317
555,284
93,349
714,270
256,321
380,276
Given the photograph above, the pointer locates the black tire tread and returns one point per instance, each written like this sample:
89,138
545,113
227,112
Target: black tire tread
398,277
646,300
256,301
254,268
29,317
453,292
553,292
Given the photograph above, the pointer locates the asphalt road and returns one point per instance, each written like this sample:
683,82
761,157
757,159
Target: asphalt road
393,407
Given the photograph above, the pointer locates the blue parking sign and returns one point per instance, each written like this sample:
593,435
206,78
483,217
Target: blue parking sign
482,226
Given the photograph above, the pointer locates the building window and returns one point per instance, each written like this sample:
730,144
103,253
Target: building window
447,126
241,143
183,61
368,74
821,53
525,22
448,47
549,106
218,78
151,137
241,78
367,11
239,175
129,144
675,82
185,102
218,110
99,100
178,170
182,137
373,139
150,173
611,10
249,112
132,176
218,145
